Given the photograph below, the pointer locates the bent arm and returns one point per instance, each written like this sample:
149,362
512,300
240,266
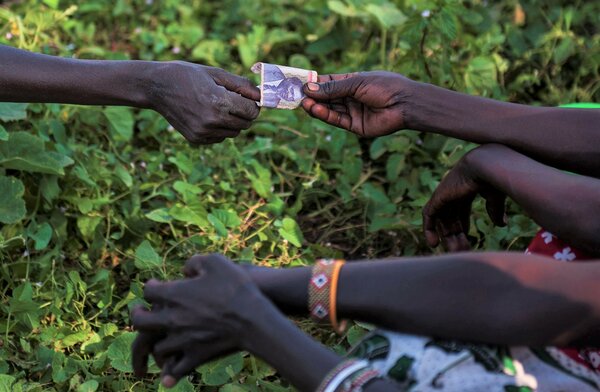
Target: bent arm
31,77
296,356
565,204
499,298
564,138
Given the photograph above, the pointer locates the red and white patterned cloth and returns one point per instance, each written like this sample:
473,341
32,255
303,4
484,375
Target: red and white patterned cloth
547,244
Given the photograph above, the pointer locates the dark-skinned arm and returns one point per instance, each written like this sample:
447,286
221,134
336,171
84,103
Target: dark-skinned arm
205,104
373,104
218,310
565,204
500,298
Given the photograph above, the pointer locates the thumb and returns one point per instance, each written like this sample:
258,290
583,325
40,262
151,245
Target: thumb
334,89
236,84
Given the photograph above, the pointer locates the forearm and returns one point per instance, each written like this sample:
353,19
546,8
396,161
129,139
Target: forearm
498,298
565,138
296,356
565,204
30,77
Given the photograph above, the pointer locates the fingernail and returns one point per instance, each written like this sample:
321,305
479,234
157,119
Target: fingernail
313,86
169,381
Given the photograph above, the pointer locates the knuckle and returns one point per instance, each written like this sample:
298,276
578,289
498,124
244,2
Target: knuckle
328,88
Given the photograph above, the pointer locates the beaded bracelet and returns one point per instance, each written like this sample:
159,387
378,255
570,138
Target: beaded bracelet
322,293
349,376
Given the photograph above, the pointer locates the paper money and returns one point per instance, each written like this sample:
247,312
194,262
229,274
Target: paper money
280,86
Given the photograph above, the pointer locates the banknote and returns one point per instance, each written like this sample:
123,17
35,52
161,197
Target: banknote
281,86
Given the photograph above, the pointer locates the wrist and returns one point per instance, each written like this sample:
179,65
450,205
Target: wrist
260,317
146,81
286,287
432,109
483,162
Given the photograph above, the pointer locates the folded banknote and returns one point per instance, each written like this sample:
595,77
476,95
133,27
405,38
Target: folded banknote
281,86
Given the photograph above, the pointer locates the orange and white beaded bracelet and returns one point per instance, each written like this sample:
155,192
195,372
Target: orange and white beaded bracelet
322,293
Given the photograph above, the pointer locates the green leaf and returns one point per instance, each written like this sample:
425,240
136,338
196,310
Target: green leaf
6,383
124,176
23,151
87,225
13,111
218,225
291,231
195,215
250,44
121,121
42,236
12,205
481,74
88,386
221,219
51,3
160,215
3,134
146,257
341,8
184,385
386,14
218,372
119,352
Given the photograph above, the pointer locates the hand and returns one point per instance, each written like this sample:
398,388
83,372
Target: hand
369,104
446,217
196,319
205,104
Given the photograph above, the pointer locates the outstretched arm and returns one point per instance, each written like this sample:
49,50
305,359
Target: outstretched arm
205,104
219,310
567,205
373,104
502,298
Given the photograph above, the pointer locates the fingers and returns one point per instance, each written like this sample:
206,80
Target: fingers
149,321
326,114
244,109
233,125
199,264
181,341
192,358
220,134
333,89
236,84
176,370
156,291
141,349
495,204
327,78
454,238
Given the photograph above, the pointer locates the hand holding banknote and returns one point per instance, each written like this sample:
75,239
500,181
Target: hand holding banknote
369,104
281,86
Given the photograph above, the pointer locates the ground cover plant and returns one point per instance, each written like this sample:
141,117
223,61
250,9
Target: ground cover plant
94,201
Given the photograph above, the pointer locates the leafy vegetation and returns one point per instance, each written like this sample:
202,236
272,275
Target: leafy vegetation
96,200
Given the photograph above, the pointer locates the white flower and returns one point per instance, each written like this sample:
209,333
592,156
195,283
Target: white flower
8,36
176,50
426,14
565,255
547,236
